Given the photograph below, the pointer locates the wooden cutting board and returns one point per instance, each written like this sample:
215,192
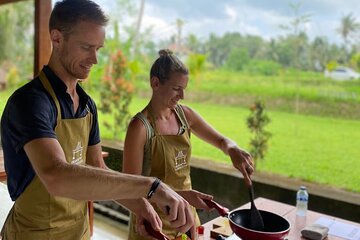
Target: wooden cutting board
221,227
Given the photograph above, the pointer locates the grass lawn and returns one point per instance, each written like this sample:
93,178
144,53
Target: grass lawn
316,94
317,149
308,85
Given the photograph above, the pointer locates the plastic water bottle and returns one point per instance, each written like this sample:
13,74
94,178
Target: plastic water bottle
302,198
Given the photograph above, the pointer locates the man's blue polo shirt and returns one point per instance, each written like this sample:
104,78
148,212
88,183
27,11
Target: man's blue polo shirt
30,113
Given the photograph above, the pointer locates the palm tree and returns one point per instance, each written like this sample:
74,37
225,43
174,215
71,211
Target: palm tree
297,35
137,30
348,26
319,52
179,24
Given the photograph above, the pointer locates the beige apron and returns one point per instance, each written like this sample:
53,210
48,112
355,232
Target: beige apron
170,156
38,215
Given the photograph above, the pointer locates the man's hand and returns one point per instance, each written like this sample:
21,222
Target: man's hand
176,208
144,211
195,198
147,213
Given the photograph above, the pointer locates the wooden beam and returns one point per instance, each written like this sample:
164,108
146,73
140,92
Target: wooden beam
42,48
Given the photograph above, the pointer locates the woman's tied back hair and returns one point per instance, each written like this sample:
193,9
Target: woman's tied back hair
67,13
167,64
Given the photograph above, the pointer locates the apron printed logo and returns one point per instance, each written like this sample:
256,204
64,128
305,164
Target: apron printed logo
180,160
77,154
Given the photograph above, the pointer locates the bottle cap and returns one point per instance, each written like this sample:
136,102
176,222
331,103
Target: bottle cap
200,229
303,187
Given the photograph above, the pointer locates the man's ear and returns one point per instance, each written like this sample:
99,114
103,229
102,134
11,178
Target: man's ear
56,37
154,82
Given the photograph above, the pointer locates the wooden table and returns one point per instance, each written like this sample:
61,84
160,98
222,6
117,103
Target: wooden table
282,209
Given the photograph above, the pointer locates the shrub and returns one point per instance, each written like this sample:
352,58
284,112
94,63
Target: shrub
196,63
116,95
256,122
237,59
264,67
13,77
331,65
355,61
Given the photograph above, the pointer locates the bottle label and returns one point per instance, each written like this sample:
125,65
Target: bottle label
304,199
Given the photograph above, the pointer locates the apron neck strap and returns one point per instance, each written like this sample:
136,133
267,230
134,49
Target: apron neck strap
152,118
181,116
44,80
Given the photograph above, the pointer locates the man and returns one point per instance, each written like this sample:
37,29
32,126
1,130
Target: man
51,143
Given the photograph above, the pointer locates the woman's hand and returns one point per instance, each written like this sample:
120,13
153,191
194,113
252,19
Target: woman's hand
243,161
195,198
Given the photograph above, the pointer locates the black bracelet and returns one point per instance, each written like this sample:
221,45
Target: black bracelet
153,188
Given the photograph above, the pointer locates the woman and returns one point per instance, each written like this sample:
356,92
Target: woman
160,133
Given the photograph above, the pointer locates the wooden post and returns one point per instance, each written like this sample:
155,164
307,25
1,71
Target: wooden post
42,48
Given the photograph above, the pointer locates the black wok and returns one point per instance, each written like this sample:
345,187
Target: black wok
275,226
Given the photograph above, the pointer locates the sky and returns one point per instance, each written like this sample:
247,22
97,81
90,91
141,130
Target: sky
253,17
